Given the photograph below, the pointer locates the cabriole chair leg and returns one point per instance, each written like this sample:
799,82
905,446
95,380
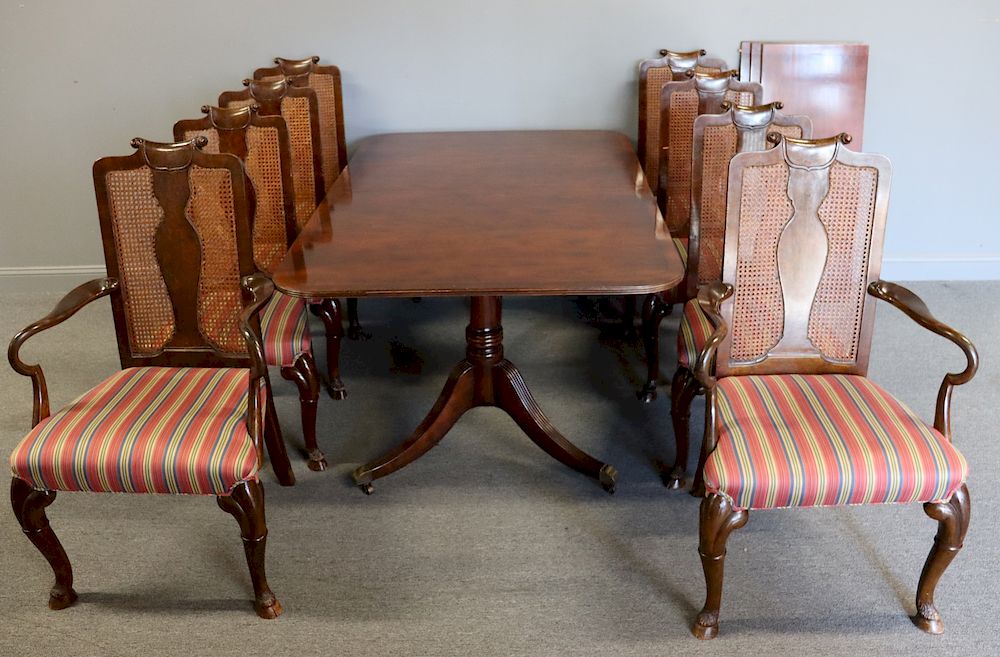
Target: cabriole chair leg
953,522
329,312
29,509
246,504
653,312
354,330
717,519
683,389
275,443
306,378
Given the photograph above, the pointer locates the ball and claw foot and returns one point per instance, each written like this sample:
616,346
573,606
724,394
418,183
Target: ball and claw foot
674,480
317,461
608,478
336,389
60,598
706,626
268,608
929,620
647,393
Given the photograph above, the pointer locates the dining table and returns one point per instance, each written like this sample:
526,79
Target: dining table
485,215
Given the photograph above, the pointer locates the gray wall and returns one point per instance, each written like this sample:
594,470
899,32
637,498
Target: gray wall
79,79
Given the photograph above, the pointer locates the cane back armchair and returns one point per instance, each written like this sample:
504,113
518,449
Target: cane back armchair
190,408
262,144
653,74
792,420
716,139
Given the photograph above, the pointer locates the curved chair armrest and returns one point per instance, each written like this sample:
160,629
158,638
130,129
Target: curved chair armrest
66,308
710,298
260,288
914,307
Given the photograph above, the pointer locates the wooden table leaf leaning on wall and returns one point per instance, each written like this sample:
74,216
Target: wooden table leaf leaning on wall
485,215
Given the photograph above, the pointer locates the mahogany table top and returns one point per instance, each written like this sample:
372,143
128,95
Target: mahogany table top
485,213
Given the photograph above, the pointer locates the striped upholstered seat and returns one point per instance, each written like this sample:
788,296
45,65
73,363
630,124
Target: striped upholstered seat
682,249
693,333
285,330
146,430
822,440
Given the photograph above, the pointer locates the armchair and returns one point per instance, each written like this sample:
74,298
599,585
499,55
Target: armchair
792,419
190,411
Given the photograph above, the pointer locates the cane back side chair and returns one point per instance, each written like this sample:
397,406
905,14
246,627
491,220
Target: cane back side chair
299,107
792,420
190,408
653,74
262,144
717,138
325,81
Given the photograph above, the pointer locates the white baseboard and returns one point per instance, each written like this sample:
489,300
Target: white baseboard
47,279
942,268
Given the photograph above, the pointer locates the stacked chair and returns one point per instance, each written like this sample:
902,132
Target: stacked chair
191,230
325,82
782,259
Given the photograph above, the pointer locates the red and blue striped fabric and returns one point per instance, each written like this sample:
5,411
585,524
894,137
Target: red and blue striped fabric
146,430
823,440
285,330
694,332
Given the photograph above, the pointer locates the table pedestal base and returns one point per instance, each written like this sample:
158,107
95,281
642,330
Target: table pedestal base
486,378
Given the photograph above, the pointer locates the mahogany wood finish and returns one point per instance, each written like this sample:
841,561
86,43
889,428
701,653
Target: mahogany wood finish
269,171
325,81
827,81
246,504
809,202
564,213
170,305
276,98
735,129
653,74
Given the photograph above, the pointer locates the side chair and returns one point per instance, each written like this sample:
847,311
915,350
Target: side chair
325,81
682,102
190,410
791,417
717,138
653,74
262,144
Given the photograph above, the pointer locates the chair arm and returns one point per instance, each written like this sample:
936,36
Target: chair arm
914,307
66,308
260,288
710,298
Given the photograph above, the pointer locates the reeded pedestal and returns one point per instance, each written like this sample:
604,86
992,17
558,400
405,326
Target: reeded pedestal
486,378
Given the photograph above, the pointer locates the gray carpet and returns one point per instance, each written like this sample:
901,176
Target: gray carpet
486,546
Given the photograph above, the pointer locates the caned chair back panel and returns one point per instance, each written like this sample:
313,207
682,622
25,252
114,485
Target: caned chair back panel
804,234
716,139
176,234
653,74
263,145
681,102
325,81
299,108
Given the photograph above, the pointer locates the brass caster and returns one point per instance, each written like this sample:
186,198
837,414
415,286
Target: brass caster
367,489
608,478
647,394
